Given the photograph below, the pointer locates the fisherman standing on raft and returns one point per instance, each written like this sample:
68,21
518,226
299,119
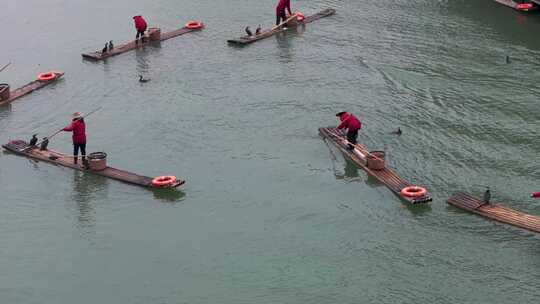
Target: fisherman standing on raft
78,127
280,11
140,26
352,124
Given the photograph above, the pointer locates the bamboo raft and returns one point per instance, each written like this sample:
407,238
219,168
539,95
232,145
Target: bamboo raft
385,176
537,2
20,147
522,7
29,88
495,212
122,48
291,22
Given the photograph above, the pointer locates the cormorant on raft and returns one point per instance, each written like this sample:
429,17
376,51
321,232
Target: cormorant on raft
143,80
44,144
258,30
104,50
34,140
487,196
248,32
111,46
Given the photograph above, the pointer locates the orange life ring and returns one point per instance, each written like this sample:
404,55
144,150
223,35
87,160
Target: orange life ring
413,191
163,181
48,76
299,16
193,25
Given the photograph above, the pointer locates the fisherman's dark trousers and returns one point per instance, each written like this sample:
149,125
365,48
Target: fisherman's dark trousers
76,148
352,136
141,34
281,16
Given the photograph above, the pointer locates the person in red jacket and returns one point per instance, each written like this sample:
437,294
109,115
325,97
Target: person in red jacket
280,10
78,127
352,124
140,26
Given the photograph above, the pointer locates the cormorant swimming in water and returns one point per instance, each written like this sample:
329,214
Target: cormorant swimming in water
141,79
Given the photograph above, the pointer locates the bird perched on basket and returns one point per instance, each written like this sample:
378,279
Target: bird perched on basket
258,30
248,32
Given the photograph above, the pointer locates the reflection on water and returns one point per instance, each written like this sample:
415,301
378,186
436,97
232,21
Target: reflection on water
5,110
350,172
168,195
418,209
87,188
142,62
284,41
143,55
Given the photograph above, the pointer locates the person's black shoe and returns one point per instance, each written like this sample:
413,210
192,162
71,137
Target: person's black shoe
350,147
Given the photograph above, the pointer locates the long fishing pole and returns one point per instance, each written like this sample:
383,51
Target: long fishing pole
86,115
4,67
47,138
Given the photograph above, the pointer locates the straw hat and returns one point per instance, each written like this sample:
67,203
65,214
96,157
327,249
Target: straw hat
77,115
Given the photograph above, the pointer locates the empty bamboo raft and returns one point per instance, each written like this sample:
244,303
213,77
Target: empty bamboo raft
270,32
523,7
29,88
20,147
495,211
385,175
122,48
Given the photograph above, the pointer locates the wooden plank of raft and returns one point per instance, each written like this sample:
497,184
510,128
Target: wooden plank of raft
515,5
385,176
495,212
122,48
270,32
58,158
29,88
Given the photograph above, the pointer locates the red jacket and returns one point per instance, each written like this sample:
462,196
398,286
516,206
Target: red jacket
282,4
140,23
350,122
79,131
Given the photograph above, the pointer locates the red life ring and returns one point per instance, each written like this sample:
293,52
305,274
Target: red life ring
413,191
48,76
524,6
163,181
193,25
299,16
